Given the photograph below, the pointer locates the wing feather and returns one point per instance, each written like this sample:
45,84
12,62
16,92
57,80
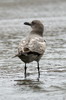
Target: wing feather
36,44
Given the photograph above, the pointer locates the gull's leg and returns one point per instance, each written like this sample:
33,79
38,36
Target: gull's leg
38,71
25,71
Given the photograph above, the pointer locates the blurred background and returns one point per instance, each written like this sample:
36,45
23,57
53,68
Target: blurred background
52,84
14,9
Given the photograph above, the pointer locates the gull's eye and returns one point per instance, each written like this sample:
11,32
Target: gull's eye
33,23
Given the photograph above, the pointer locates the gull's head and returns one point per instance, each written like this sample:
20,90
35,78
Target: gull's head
37,26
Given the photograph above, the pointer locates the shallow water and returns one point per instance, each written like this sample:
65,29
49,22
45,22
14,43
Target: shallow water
52,84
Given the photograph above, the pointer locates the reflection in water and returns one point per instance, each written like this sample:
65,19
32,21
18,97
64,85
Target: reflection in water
35,86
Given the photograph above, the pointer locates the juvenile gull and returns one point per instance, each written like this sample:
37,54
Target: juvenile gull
33,46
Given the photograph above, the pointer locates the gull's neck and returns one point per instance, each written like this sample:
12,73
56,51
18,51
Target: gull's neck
37,32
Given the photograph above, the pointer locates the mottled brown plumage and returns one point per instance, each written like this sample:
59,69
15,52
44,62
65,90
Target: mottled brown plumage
33,46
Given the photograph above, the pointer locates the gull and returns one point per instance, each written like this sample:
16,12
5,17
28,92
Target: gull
33,46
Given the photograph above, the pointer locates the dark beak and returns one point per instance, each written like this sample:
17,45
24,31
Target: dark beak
27,23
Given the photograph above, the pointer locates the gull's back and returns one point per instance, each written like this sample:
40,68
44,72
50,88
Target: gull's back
32,47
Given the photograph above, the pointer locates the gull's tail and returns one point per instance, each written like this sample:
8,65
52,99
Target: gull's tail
15,56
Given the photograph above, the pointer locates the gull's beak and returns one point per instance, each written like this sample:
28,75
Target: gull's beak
27,23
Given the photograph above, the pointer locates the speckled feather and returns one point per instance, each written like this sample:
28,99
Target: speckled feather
33,43
32,47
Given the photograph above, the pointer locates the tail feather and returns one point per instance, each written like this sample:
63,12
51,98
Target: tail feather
26,54
15,56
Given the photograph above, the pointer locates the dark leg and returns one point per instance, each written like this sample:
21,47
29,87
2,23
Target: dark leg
38,71
25,70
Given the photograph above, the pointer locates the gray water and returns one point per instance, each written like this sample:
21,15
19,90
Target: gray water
52,84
